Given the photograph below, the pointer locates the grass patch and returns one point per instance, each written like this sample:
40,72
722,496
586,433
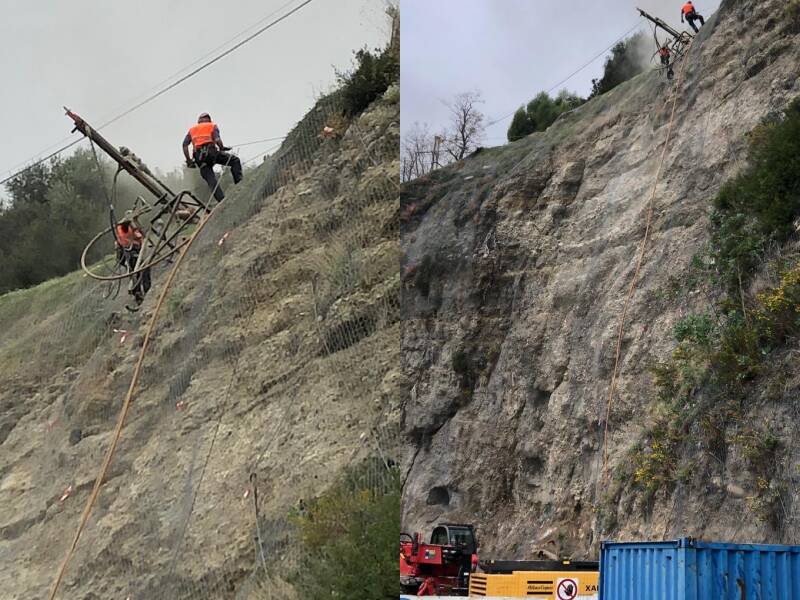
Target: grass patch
63,319
343,273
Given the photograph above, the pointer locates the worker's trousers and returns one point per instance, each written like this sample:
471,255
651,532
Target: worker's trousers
207,170
141,284
692,17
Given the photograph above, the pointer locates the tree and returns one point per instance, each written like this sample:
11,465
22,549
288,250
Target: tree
53,210
467,125
31,185
521,125
541,112
628,58
371,77
420,153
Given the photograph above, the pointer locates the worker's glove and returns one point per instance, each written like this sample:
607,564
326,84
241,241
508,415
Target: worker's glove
190,163
226,148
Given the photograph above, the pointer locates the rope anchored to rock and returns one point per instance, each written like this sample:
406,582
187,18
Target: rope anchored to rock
642,248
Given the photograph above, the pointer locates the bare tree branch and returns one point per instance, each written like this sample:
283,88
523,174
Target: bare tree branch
417,151
467,124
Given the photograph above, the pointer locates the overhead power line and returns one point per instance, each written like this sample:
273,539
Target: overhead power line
154,87
270,139
571,75
169,87
208,63
260,154
41,160
210,52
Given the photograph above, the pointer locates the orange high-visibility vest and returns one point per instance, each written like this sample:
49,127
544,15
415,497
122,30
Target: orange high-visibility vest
130,239
688,8
202,134
664,51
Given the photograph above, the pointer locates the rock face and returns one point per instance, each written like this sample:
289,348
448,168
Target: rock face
276,355
516,265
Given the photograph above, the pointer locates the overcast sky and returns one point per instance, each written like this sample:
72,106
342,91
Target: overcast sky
510,50
99,57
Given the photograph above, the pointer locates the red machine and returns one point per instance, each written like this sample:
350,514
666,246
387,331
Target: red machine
440,567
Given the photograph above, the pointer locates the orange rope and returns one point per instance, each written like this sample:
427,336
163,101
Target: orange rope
612,388
127,402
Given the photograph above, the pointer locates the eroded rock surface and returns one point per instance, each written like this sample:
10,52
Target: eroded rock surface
516,265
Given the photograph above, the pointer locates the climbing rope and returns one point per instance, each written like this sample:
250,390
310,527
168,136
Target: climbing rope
128,398
642,248
261,532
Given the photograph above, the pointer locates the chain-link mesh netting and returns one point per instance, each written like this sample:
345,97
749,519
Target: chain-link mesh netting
261,442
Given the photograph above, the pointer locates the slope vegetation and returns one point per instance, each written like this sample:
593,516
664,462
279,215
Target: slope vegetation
273,370
516,265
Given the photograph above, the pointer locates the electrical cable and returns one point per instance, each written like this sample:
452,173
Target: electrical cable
167,88
563,81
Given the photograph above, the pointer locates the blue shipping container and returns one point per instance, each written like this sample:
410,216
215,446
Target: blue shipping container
689,569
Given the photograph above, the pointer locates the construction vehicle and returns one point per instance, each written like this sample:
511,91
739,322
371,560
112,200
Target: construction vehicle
168,217
541,579
441,567
677,46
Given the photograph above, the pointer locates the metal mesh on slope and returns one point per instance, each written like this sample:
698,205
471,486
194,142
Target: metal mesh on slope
276,356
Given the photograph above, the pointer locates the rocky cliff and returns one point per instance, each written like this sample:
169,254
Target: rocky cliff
276,356
516,264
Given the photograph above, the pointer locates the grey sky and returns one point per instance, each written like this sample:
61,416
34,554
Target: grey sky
510,50
99,57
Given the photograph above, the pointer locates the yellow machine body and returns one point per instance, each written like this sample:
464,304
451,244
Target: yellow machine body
542,585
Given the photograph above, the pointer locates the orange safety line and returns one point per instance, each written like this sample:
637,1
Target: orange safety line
612,388
127,402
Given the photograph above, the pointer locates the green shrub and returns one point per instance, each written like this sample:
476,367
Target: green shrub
739,357
371,77
623,64
778,310
757,209
392,94
760,448
705,382
656,462
349,537
767,503
698,329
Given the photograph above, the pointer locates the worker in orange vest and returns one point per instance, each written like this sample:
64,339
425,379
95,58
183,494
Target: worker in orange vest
692,15
128,242
207,151
666,55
